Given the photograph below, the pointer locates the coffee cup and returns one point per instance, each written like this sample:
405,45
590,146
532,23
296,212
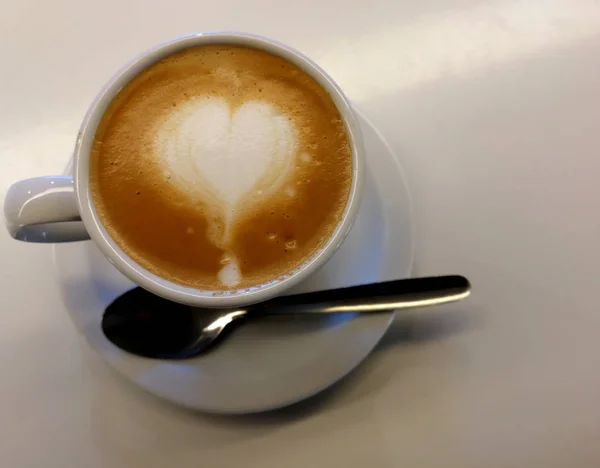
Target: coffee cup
64,208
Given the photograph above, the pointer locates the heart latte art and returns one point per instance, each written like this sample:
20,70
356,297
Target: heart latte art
221,167
229,159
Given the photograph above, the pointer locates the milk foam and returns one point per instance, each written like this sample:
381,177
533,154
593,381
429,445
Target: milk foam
227,159
230,274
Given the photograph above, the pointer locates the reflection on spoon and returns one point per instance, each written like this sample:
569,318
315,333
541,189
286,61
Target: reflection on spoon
147,325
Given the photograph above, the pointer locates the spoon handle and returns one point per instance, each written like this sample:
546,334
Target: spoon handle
377,297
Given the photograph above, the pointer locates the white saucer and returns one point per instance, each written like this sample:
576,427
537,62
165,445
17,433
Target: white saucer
279,361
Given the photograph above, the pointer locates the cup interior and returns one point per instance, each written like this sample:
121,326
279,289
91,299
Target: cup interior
157,284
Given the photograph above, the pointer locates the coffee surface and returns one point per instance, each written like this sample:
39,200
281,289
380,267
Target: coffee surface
221,167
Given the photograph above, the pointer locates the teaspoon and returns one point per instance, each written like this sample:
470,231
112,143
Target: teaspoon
147,325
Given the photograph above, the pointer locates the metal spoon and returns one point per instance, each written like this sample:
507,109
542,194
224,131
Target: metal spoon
147,325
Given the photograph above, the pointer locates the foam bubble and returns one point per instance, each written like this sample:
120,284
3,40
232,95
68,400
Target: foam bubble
227,75
305,157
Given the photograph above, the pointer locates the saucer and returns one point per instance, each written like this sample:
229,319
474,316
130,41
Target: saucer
275,361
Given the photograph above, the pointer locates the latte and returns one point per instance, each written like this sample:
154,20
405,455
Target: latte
221,167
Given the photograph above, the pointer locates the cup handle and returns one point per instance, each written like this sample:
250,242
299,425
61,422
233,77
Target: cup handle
44,209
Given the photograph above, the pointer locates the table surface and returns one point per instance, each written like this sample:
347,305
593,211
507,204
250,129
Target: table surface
493,107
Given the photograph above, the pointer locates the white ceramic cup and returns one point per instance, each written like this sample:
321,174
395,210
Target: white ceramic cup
60,208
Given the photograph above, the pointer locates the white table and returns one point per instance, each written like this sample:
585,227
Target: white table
494,109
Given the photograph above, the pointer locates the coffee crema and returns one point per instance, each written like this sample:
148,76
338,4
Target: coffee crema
221,167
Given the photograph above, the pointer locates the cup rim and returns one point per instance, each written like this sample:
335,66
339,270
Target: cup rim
174,291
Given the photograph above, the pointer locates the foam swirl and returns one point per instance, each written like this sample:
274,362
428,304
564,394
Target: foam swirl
227,159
